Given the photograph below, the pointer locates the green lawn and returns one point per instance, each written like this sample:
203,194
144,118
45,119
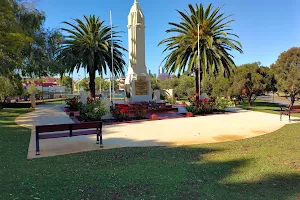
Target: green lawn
55,102
263,106
265,167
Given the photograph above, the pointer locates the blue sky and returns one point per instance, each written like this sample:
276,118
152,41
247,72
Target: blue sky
266,27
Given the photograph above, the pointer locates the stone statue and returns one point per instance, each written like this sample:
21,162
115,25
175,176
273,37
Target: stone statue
137,82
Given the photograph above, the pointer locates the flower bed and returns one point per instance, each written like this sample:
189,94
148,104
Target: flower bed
207,106
136,111
73,104
93,110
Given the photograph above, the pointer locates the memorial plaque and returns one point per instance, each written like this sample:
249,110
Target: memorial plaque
141,86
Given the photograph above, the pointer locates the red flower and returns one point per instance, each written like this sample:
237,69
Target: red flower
120,106
122,110
211,104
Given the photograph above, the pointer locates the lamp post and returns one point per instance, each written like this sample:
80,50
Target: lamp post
42,92
78,89
112,60
199,74
100,78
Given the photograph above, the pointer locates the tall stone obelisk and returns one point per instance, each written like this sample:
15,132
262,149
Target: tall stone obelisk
137,82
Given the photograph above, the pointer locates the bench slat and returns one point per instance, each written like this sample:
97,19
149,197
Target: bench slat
86,125
54,135
66,134
52,128
294,107
65,127
291,111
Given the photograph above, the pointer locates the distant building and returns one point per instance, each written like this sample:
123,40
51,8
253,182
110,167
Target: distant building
161,70
162,74
49,86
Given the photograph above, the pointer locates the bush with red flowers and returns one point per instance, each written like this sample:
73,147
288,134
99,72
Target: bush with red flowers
120,112
74,104
197,107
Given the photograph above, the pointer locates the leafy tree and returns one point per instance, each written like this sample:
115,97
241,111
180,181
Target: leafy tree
249,80
12,40
222,86
185,87
43,55
218,86
18,25
88,45
10,86
33,89
169,83
214,46
105,84
154,82
287,72
84,84
66,81
207,84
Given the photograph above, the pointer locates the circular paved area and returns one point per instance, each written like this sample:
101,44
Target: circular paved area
236,125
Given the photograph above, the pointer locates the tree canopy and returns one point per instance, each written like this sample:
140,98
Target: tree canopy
66,81
249,80
10,87
215,42
43,55
88,45
287,72
18,26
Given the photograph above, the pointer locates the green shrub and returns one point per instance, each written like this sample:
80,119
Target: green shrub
203,106
221,103
93,110
171,100
140,111
73,104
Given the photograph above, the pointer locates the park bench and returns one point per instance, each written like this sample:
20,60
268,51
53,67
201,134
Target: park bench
67,130
288,111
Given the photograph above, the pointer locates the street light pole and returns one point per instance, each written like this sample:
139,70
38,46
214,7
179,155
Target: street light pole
199,74
100,78
78,89
112,59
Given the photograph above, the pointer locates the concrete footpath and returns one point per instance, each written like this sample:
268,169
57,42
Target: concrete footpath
236,125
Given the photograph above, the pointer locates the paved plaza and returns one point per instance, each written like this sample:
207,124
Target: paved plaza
235,125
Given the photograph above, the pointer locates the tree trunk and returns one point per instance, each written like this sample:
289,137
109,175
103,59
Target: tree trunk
250,100
2,103
292,99
92,84
197,82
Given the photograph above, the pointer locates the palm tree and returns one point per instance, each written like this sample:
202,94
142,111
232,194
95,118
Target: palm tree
215,42
88,45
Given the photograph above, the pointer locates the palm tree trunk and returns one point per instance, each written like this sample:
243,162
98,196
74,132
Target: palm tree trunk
92,84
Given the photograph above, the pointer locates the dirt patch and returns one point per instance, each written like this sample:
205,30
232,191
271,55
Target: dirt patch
223,138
